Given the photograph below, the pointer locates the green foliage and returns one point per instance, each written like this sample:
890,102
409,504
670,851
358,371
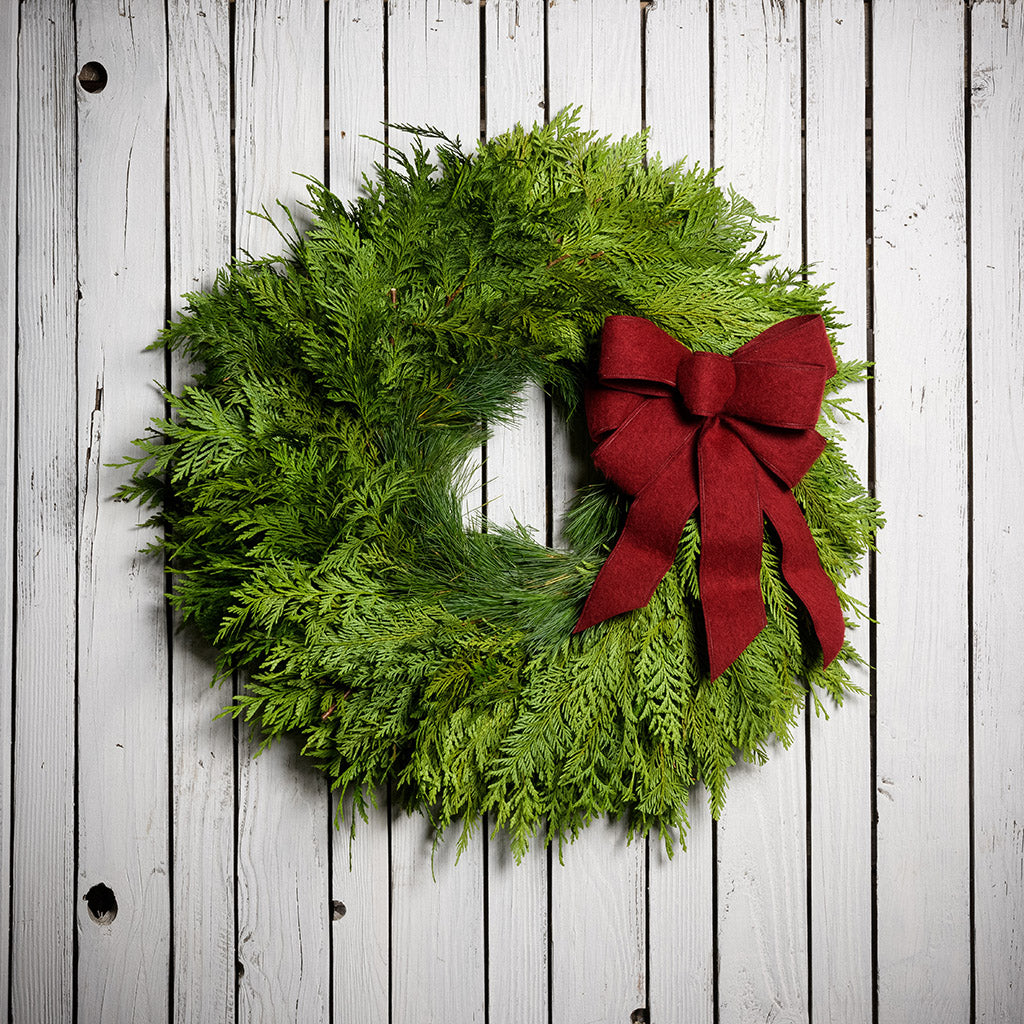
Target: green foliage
304,483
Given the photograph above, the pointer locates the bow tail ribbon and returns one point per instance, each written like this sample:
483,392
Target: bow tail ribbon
801,565
646,548
731,535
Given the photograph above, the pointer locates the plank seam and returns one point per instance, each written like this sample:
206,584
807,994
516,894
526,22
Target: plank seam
327,182
969,418
808,771
716,951
333,821
869,232
76,757
168,611
236,784
13,584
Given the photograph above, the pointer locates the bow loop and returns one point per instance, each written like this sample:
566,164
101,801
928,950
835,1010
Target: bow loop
741,437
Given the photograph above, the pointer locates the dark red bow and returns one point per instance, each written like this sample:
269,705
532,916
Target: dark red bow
731,434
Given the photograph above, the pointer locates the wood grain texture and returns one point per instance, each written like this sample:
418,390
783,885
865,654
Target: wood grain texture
123,791
516,473
762,857
202,755
437,938
360,866
997,346
437,926
681,930
840,796
355,42
360,915
921,408
677,90
284,916
43,785
682,924
433,67
598,910
598,927
8,455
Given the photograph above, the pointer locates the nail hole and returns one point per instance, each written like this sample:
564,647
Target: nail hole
93,76
338,910
639,1016
101,903
239,969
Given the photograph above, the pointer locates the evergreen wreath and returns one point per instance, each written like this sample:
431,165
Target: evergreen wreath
308,483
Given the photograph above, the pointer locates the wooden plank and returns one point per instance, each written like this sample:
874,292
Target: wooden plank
123,805
8,454
762,863
437,922
840,796
202,754
681,928
515,65
360,915
360,868
516,471
923,893
606,83
42,868
997,346
598,927
283,889
598,904
355,92
677,94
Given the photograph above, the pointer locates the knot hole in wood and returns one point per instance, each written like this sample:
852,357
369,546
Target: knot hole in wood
102,903
93,76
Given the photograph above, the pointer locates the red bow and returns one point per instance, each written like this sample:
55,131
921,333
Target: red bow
731,434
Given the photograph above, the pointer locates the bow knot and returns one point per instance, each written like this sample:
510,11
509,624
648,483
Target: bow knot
706,381
741,438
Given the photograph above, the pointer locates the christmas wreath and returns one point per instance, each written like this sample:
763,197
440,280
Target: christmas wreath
309,483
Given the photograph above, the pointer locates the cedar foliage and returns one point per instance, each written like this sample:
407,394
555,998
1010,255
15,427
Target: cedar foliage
308,486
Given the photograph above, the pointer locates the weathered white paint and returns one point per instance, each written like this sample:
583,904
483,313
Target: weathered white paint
516,472
360,914
123,782
355,39
922,566
438,966
203,762
840,745
762,865
360,868
8,512
284,917
681,926
598,906
997,347
43,885
601,937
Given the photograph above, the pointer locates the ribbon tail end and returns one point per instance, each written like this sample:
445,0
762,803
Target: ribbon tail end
831,646
591,616
728,646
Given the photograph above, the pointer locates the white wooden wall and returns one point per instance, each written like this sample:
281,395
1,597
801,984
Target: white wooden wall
872,872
